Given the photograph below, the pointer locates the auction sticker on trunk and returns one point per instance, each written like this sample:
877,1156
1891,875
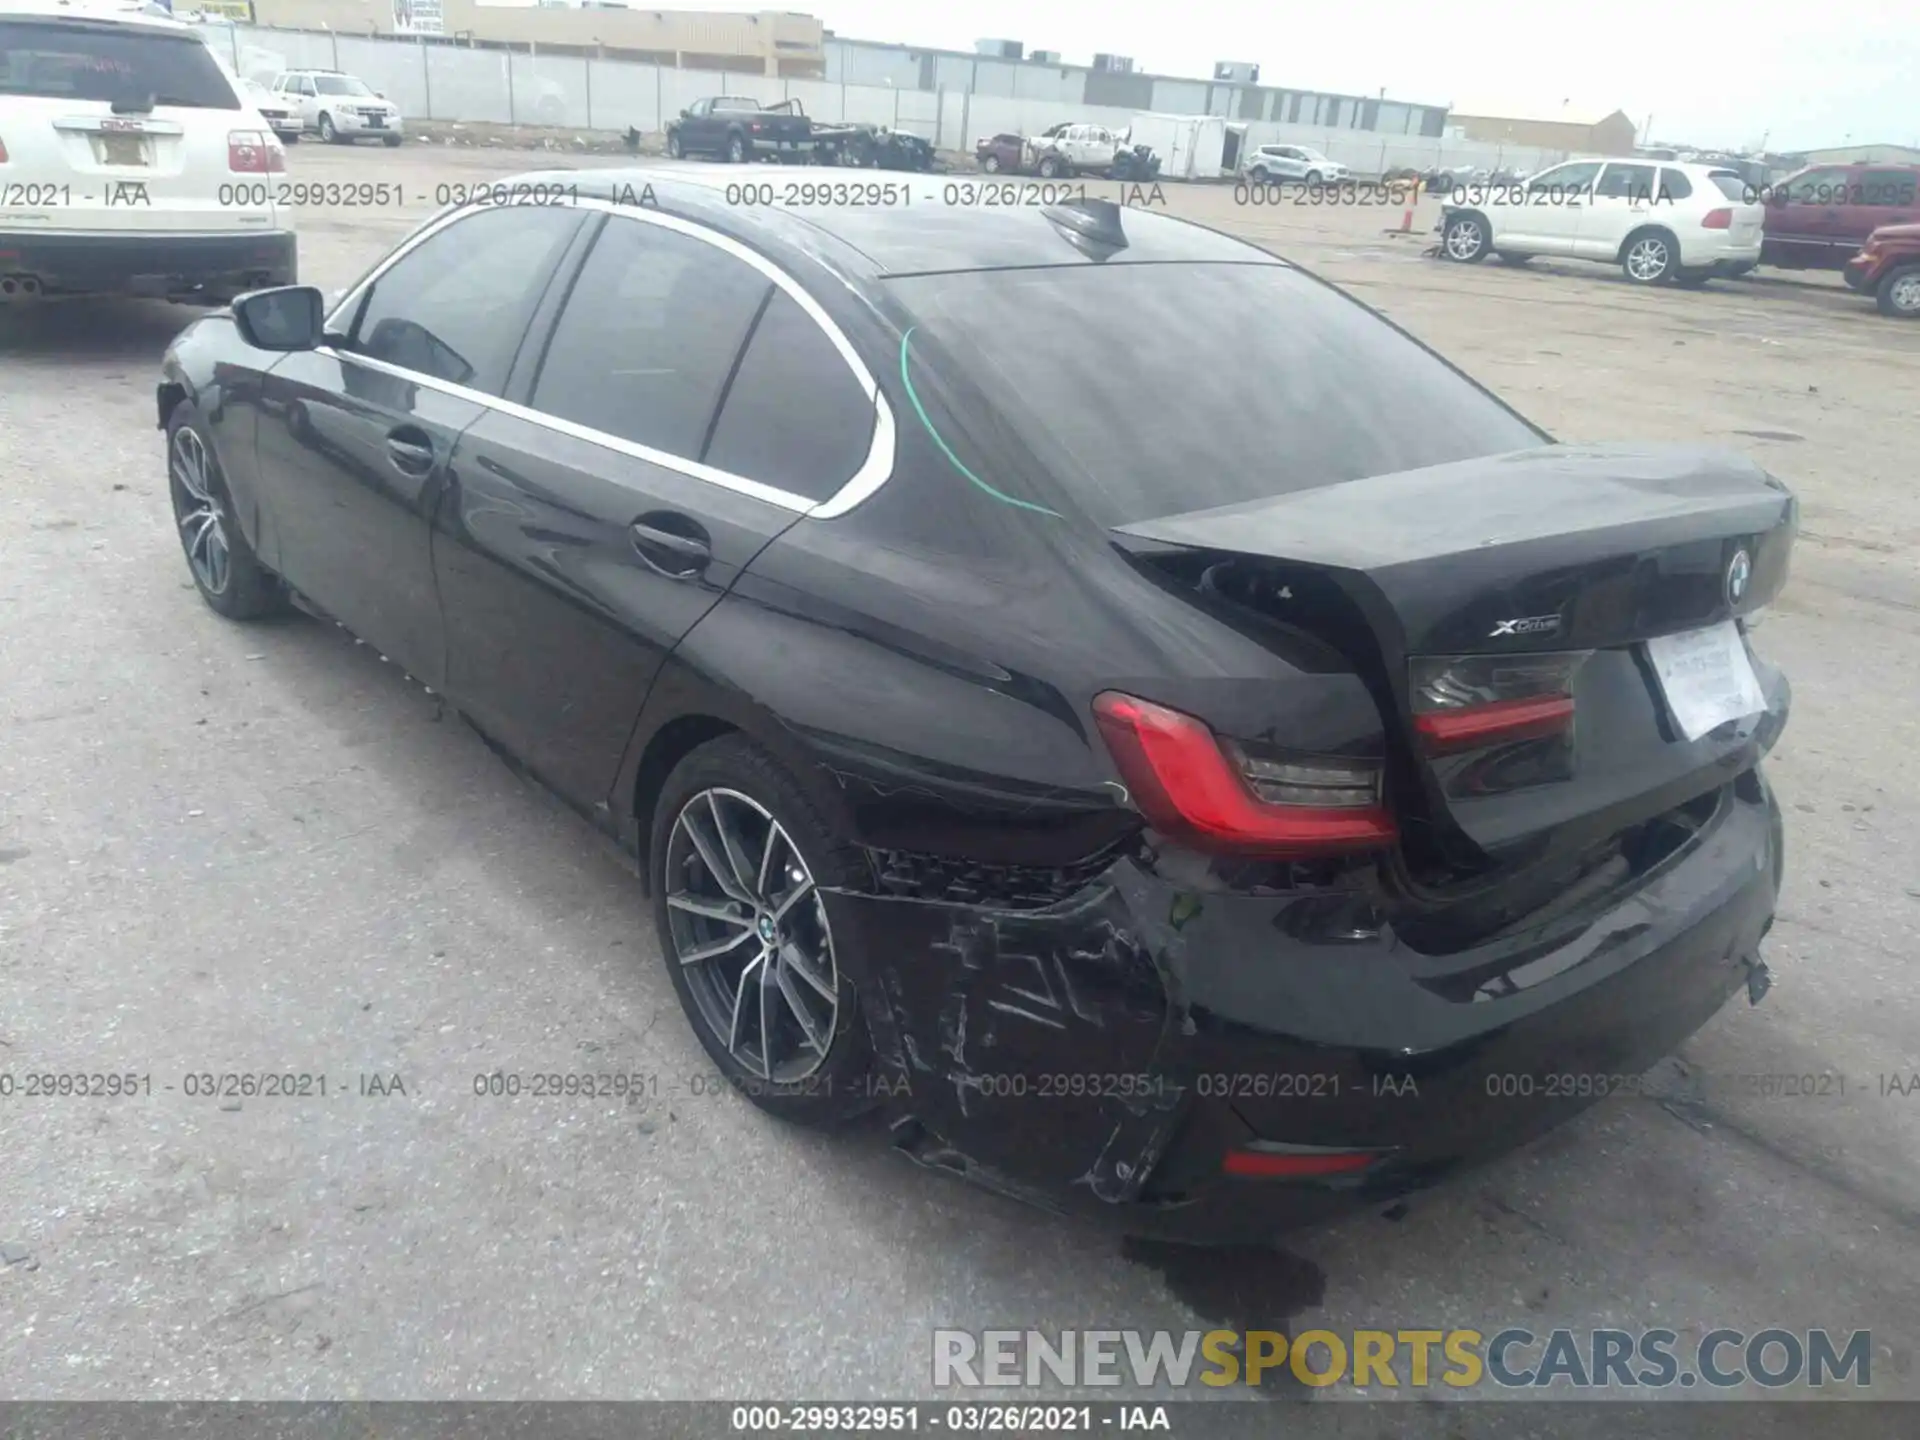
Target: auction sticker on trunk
1707,677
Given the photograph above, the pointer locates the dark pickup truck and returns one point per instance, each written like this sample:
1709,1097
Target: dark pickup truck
737,129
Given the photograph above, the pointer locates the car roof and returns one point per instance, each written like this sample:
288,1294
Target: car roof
925,236
104,12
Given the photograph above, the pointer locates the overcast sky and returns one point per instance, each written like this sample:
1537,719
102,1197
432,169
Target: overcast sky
1709,72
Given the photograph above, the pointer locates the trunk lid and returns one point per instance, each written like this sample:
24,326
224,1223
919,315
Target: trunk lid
1544,551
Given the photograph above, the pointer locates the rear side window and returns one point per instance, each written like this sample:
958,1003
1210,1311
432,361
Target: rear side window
649,337
1732,187
1674,186
1150,390
1626,182
795,417
456,306
124,64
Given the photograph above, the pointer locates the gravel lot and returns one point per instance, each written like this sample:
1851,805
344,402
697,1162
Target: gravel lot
231,848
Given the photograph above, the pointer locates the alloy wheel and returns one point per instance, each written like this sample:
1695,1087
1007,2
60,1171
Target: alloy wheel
1904,294
1647,260
202,527
749,927
1463,239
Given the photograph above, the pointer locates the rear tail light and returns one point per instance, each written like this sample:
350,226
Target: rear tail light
1212,795
1469,702
1721,219
254,152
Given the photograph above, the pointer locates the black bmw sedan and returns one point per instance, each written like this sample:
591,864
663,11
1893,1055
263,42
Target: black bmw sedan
1072,681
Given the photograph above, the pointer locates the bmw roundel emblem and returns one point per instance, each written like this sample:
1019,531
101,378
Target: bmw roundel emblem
1738,574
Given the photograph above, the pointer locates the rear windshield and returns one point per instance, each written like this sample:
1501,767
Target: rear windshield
113,63
1154,389
1732,186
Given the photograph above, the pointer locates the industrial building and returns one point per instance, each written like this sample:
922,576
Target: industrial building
1580,130
1864,155
1003,69
784,44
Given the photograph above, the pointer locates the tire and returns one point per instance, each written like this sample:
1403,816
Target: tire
1048,167
328,135
1898,293
1513,258
736,150
1466,239
991,164
674,151
1261,177
229,577
1311,179
1650,257
754,793
292,137
392,142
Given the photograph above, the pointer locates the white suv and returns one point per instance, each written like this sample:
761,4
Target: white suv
1272,163
1656,220
128,163
337,106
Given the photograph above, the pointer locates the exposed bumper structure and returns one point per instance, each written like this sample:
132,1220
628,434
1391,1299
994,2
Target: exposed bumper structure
1107,1054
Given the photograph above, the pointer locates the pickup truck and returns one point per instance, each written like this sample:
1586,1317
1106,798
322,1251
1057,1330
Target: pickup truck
1069,149
737,129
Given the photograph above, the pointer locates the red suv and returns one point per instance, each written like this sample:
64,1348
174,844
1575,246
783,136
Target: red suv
1819,218
1889,270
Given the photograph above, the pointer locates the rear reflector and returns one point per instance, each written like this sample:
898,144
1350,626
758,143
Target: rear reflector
1721,219
1193,788
1297,1164
1467,702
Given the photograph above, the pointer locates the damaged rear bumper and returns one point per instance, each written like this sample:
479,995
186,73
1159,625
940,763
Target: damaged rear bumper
1104,1055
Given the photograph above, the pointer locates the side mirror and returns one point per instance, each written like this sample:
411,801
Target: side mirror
686,113
290,317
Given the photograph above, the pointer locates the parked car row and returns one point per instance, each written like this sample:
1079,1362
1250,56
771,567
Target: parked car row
1687,224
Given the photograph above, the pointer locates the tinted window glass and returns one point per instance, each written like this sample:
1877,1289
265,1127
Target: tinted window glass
1733,187
457,306
1826,186
1564,178
649,336
110,63
1156,389
1887,187
1674,185
795,417
340,85
1626,182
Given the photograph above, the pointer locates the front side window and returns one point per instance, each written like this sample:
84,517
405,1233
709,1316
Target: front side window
116,64
457,305
1564,179
649,336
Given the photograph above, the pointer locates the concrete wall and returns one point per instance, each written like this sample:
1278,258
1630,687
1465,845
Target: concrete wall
437,81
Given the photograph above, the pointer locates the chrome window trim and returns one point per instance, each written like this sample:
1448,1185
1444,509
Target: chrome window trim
874,471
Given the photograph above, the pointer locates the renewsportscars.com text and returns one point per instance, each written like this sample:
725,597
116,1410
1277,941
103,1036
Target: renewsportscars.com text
1460,1359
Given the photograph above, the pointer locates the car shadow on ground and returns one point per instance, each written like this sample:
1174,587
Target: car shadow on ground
65,331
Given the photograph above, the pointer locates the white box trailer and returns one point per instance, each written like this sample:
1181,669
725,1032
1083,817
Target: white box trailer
1190,147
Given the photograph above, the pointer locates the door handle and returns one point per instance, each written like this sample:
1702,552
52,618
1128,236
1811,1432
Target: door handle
410,450
672,545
